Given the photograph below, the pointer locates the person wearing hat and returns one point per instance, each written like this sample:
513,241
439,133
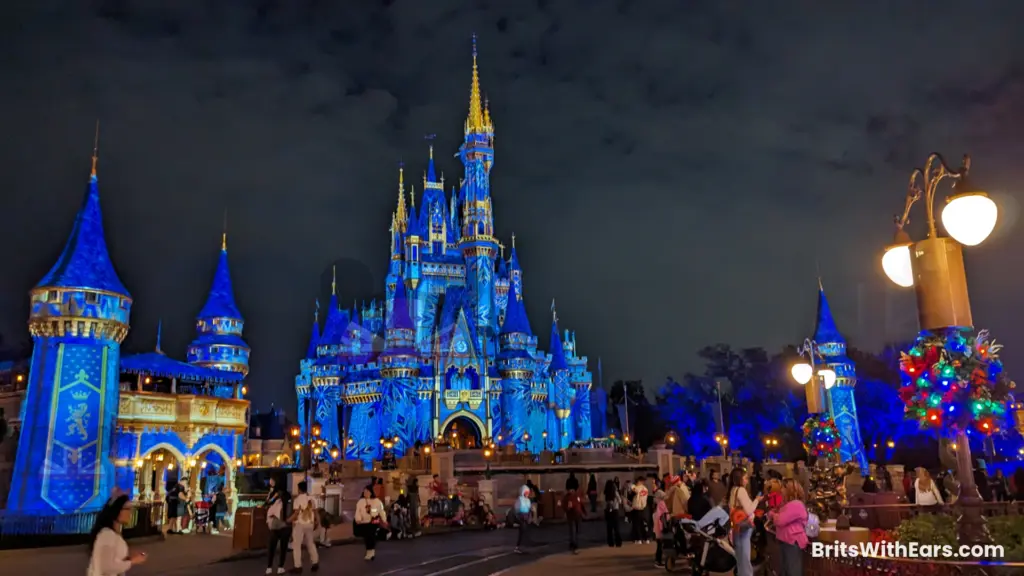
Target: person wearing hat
676,497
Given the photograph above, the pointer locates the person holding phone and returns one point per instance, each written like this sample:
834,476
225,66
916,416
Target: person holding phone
108,552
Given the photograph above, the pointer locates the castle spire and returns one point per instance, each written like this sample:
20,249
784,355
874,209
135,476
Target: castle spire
95,150
334,280
85,261
516,321
401,215
558,361
825,331
159,335
221,301
224,235
314,338
475,120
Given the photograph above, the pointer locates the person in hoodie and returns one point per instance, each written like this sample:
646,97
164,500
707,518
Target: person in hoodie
572,504
523,505
790,522
661,518
638,511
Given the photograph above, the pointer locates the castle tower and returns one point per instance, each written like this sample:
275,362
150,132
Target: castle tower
219,344
399,369
842,405
517,368
561,388
78,318
515,272
399,226
479,248
434,219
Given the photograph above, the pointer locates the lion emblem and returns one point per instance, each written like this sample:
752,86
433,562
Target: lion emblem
78,420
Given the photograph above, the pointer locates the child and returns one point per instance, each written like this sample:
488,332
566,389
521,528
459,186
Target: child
774,490
661,525
490,522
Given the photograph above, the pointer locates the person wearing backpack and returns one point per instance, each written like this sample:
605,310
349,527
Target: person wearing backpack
278,512
523,506
304,518
791,523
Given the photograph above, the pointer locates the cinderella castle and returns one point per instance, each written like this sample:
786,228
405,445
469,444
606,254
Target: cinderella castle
449,356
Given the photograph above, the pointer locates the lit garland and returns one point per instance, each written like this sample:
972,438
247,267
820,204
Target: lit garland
952,382
821,437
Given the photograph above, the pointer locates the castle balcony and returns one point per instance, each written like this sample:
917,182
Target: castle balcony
156,373
197,415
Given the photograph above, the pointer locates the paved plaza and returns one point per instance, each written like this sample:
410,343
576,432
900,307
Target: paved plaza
466,553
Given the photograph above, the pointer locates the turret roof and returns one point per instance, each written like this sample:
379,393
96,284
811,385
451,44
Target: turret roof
400,309
826,331
334,324
221,301
557,350
516,321
85,261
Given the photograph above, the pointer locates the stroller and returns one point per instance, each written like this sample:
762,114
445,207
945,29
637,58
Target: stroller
201,516
709,541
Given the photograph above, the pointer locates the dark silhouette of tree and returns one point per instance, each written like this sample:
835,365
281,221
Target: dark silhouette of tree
644,420
687,408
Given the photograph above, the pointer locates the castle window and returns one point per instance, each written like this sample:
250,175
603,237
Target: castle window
52,296
91,297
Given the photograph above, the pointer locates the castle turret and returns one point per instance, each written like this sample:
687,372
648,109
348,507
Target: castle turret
399,368
78,317
414,244
515,272
561,394
479,248
517,368
399,225
842,405
434,220
219,342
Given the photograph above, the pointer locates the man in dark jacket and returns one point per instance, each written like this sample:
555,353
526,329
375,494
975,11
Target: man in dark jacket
573,506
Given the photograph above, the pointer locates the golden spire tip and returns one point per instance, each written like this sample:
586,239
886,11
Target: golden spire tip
95,149
224,233
334,279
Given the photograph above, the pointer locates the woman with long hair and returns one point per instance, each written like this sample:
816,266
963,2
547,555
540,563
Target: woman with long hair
790,522
926,493
277,522
739,499
108,552
612,506
369,521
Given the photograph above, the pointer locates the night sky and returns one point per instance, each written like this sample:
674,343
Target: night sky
675,174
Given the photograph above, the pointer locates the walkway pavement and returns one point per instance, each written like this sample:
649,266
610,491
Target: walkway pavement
596,561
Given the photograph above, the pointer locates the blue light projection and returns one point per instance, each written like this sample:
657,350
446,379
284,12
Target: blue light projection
451,346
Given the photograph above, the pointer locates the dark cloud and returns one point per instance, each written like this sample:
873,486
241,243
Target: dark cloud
675,172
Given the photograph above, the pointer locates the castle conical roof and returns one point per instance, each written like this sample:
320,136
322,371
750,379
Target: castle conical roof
221,301
557,350
516,321
826,331
85,261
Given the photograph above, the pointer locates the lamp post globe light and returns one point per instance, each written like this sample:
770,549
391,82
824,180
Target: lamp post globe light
935,268
815,379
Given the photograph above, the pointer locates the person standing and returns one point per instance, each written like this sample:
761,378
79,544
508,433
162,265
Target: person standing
791,528
926,493
368,521
173,501
572,504
108,552
592,492
277,522
612,506
638,514
304,519
717,491
739,499
524,507
572,483
661,518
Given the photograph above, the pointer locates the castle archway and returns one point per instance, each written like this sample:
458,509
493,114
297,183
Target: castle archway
463,430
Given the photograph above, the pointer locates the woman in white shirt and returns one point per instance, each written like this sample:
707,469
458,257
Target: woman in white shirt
108,552
739,498
369,519
926,492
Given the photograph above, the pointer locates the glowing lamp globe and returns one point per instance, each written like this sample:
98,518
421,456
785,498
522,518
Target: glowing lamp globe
896,264
828,377
802,373
970,218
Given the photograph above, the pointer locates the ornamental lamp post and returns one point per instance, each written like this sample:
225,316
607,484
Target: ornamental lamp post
815,377
935,268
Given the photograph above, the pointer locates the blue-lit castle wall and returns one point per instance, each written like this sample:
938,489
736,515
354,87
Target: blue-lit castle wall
451,345
90,418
